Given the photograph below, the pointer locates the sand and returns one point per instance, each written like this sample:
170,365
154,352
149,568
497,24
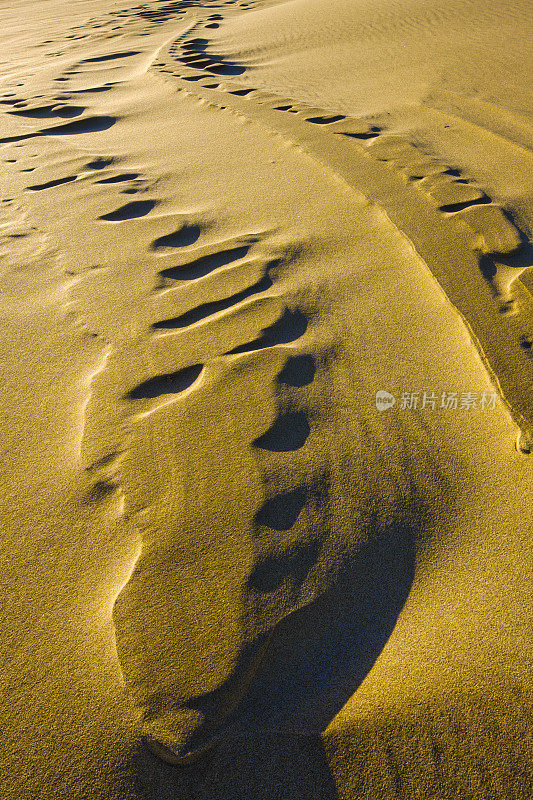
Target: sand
266,366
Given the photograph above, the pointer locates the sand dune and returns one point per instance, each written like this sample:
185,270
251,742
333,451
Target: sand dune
267,302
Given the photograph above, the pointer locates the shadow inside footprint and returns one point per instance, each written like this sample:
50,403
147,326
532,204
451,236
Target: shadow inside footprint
226,69
92,89
356,135
326,120
124,176
99,163
281,512
68,112
298,371
86,125
47,112
184,236
111,57
138,208
208,309
206,264
166,384
195,44
290,327
38,187
289,432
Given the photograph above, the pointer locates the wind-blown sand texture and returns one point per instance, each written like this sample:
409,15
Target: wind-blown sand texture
227,571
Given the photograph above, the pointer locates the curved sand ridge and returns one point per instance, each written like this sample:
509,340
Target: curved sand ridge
195,354
285,552
284,521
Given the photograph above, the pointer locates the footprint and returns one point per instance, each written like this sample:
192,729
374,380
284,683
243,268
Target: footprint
121,178
205,264
325,120
86,125
38,187
223,68
134,210
451,194
526,343
493,231
289,432
68,111
182,237
298,371
175,383
50,111
111,57
292,566
93,89
461,206
291,326
281,512
99,163
209,309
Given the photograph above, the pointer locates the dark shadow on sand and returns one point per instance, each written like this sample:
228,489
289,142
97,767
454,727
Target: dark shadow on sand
317,658
265,767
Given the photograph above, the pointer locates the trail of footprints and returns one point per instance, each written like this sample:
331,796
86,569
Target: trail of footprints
502,249
494,236
186,334
493,232
217,307
244,313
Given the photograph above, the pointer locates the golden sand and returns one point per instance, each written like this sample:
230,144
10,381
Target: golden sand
267,378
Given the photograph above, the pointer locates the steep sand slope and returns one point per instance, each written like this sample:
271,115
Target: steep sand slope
215,254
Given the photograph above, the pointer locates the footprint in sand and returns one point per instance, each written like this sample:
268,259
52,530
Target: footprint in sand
133,210
111,57
122,177
39,187
202,266
93,124
281,512
211,308
175,383
99,163
182,237
289,432
50,111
